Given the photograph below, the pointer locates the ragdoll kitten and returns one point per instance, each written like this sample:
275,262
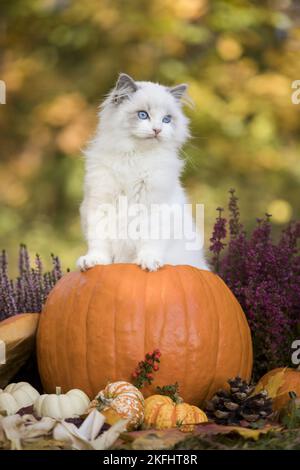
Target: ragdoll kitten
135,154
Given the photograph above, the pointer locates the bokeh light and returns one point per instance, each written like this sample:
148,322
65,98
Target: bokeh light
60,58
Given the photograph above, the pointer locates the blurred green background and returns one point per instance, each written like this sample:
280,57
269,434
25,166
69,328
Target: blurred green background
59,58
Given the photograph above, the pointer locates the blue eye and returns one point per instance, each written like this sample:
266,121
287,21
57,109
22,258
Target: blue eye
143,115
167,119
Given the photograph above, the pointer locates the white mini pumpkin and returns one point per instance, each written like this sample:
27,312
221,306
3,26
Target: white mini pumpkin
17,395
61,406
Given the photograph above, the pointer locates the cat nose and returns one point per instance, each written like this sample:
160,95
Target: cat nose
156,130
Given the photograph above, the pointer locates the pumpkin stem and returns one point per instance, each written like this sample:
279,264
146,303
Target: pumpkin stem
103,401
171,391
58,390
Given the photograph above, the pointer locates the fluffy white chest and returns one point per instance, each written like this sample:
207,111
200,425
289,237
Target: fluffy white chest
134,186
143,180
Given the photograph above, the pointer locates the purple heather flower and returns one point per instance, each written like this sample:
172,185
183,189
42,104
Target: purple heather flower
28,292
219,234
265,277
234,221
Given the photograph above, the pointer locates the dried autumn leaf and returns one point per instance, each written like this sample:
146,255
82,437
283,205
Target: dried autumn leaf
46,443
150,439
254,434
166,439
272,387
246,433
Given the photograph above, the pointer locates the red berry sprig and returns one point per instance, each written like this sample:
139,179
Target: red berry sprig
143,373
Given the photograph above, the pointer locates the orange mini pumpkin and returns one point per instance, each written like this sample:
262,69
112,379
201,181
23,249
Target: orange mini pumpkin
120,400
278,383
161,412
97,325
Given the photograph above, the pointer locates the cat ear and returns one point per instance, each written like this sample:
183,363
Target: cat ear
125,81
178,91
124,87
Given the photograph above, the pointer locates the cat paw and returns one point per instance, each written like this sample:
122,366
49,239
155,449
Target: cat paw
91,259
149,260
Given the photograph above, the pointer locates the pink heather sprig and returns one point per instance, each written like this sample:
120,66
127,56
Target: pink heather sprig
143,373
28,292
265,277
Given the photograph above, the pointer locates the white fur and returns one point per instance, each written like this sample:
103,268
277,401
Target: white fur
126,158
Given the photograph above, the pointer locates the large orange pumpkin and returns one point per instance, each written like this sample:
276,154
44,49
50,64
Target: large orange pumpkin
96,326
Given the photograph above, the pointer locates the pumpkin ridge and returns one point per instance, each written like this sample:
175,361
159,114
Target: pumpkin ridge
216,355
249,349
164,308
145,285
180,360
62,338
174,416
239,327
241,341
67,314
115,315
45,366
116,319
249,356
156,412
48,364
155,408
57,338
196,323
68,321
92,291
183,381
162,303
133,279
195,414
145,281
243,325
199,415
109,275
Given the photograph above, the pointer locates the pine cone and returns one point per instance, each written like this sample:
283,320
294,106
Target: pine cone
236,405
